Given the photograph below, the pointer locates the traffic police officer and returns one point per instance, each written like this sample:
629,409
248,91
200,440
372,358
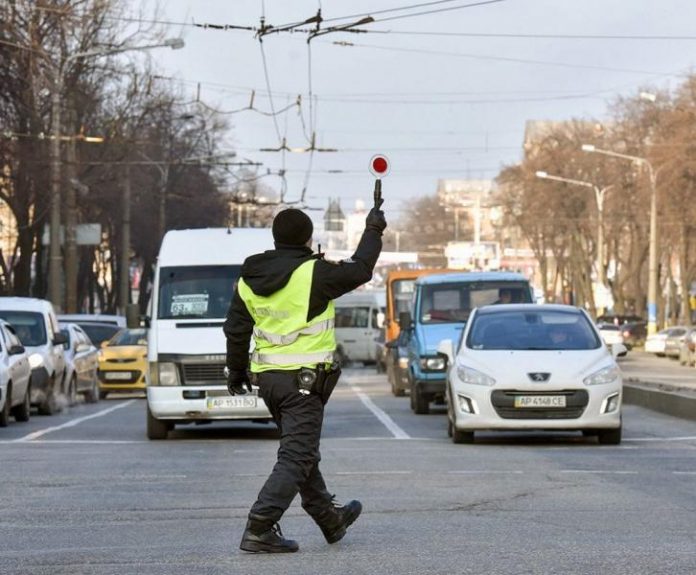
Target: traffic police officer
284,300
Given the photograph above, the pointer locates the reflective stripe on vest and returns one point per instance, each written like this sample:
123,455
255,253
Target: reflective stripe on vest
287,339
291,358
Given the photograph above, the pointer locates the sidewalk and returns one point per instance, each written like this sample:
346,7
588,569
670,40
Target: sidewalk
659,383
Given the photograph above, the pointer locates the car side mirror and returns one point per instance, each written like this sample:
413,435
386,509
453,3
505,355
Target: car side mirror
618,350
60,339
16,350
405,320
445,349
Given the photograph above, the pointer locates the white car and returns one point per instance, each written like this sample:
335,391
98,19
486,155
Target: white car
655,343
81,365
610,333
35,323
15,377
525,366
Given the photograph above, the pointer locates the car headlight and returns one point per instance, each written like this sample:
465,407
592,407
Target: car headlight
435,363
468,375
403,362
35,361
604,375
167,374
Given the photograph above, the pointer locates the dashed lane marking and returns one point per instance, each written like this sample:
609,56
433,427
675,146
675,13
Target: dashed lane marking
72,423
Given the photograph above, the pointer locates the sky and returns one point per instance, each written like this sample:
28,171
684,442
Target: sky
447,105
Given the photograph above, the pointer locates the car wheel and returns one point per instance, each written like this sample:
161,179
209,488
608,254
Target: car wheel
92,395
462,436
49,406
22,412
450,427
609,436
72,392
103,394
5,411
156,428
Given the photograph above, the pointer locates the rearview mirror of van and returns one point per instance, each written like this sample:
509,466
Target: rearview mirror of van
405,320
380,319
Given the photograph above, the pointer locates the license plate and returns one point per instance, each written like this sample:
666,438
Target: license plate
232,402
119,375
540,401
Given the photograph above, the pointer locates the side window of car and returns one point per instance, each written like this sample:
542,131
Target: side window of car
11,337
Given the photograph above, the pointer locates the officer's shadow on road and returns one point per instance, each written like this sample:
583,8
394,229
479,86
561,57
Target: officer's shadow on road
225,431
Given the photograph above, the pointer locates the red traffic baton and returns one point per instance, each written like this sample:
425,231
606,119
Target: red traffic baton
379,167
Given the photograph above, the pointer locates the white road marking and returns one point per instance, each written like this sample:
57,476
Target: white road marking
72,423
484,471
598,471
373,473
684,438
684,472
387,421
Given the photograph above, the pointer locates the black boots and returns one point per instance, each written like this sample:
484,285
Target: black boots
264,536
334,522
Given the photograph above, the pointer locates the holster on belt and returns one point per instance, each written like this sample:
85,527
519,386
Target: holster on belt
327,380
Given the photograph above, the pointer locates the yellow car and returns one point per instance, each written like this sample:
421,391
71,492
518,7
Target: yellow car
123,362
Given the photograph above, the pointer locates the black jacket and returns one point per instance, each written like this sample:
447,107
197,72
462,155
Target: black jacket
270,271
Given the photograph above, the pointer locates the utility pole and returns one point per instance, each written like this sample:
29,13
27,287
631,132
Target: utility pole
124,267
54,253
71,259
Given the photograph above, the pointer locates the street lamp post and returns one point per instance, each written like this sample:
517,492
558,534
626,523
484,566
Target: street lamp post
599,199
54,258
652,258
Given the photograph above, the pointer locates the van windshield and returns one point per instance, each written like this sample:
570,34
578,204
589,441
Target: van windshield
29,326
352,317
196,292
452,302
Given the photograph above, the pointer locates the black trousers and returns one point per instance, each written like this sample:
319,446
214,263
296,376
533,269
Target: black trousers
299,418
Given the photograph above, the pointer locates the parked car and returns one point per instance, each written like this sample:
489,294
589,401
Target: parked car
634,333
524,367
397,364
610,333
442,304
81,365
15,377
687,350
674,340
123,362
36,326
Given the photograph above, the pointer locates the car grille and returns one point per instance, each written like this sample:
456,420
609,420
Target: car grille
504,405
122,360
196,373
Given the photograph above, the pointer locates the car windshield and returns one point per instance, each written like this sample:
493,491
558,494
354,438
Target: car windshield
453,301
99,333
129,337
196,292
532,330
29,326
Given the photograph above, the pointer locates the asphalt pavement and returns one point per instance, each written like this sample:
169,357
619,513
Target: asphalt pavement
85,492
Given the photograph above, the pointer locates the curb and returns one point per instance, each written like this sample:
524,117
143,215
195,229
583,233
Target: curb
669,402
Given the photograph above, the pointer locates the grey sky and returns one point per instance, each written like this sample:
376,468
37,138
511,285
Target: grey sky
454,128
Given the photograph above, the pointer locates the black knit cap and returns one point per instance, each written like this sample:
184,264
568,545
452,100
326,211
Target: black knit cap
292,227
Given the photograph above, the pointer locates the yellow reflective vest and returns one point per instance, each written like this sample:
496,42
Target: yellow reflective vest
283,337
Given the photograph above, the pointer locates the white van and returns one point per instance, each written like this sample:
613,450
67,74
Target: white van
194,281
359,320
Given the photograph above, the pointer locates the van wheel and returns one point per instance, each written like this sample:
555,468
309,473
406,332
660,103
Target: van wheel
420,403
49,405
5,412
23,411
609,436
156,428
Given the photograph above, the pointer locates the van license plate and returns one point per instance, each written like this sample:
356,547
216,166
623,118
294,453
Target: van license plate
540,401
232,402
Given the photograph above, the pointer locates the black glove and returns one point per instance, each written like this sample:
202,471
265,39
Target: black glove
238,382
375,221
